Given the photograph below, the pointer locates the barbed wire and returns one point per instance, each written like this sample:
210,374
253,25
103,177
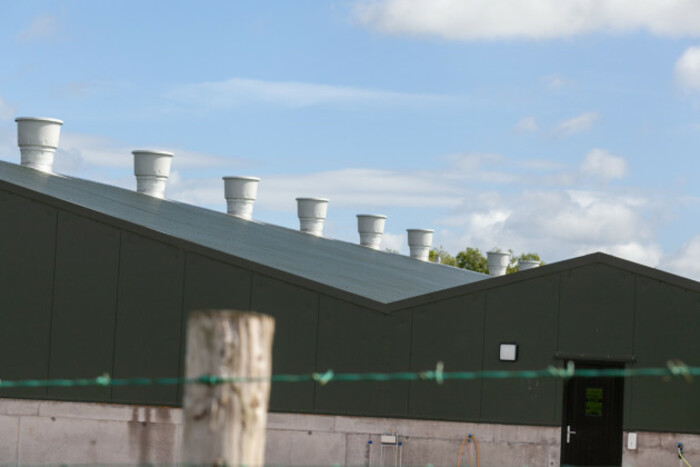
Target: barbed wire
673,368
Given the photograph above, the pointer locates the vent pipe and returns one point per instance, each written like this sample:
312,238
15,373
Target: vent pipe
498,261
312,215
371,229
240,193
419,243
152,169
525,264
37,139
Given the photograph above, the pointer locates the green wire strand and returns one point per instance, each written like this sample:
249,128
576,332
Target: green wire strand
673,368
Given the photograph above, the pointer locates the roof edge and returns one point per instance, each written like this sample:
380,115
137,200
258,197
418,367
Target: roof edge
552,268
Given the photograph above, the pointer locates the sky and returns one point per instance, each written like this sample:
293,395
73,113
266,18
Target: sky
548,126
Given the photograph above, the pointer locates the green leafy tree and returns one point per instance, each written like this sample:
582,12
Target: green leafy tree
440,255
514,265
472,259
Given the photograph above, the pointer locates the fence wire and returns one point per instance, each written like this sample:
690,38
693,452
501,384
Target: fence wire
673,368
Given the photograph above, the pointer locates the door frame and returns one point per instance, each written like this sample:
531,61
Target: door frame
568,391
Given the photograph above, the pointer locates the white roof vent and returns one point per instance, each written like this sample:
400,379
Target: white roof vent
37,139
152,169
312,214
371,229
525,264
498,261
419,243
240,193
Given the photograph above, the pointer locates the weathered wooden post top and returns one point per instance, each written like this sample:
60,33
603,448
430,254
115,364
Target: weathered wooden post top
224,423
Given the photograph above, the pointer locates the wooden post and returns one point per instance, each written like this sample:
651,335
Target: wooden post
224,424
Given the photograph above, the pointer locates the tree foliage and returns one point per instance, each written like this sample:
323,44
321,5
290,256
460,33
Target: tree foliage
440,255
514,265
474,260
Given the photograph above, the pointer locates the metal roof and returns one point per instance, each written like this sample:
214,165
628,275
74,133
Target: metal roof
370,276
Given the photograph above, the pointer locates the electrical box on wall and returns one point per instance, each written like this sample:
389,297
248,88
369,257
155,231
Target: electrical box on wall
508,352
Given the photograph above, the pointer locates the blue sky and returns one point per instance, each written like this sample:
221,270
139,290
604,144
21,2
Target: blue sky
533,125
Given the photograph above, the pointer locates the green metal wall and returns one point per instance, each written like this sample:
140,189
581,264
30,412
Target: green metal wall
80,297
525,313
27,253
667,326
450,331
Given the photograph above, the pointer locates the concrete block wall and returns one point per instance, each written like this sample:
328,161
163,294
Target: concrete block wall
48,432
294,439
34,432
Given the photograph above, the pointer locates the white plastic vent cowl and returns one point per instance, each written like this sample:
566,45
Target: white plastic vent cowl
371,229
525,264
152,169
419,243
498,261
37,139
240,193
312,214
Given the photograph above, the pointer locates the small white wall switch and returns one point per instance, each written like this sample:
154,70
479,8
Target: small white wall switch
631,440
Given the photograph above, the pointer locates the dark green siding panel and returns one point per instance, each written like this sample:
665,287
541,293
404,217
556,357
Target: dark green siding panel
213,284
294,351
85,301
450,331
149,318
524,313
596,315
355,339
27,239
667,327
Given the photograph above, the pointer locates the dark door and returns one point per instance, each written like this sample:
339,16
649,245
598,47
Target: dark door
592,426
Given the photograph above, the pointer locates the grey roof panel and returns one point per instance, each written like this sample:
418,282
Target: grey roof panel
378,276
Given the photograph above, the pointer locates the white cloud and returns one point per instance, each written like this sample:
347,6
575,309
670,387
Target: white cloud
371,188
686,260
528,19
82,150
7,112
649,254
526,125
8,144
557,81
600,163
577,124
41,27
395,242
557,224
687,69
541,164
240,91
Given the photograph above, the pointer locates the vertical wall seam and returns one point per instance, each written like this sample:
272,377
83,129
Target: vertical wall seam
410,361
483,353
318,339
53,297
116,311
183,328
250,291
627,404
18,444
559,385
